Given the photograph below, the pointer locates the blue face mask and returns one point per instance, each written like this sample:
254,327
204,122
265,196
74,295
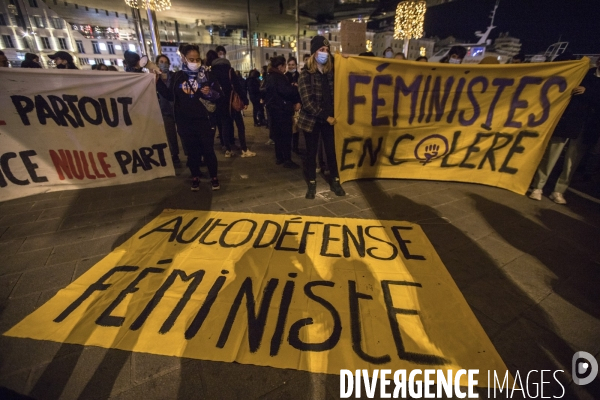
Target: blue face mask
164,67
322,57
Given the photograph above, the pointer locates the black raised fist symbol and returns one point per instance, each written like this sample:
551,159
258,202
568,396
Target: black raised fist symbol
431,151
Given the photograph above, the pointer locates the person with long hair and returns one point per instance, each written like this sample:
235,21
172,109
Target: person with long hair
166,108
281,100
316,116
194,93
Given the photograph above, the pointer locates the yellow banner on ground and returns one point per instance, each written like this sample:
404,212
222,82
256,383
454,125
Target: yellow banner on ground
309,293
470,123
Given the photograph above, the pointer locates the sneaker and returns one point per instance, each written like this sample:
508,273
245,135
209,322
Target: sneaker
536,194
248,153
228,154
215,184
270,142
290,164
312,190
337,188
195,184
557,198
318,170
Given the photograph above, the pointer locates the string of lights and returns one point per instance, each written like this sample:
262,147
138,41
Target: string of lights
410,16
155,5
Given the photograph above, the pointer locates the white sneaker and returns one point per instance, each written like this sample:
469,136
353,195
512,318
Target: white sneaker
536,194
228,154
248,153
557,198
270,142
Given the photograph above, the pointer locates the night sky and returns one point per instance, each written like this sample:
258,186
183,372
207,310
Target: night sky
538,23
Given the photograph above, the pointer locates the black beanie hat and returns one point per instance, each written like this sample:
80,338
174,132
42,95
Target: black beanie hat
317,42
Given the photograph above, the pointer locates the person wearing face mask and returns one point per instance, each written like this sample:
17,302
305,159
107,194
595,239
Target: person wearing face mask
31,61
281,99
455,55
292,74
166,108
316,116
388,53
194,93
63,60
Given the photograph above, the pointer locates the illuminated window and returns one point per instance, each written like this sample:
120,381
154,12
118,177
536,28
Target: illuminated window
45,43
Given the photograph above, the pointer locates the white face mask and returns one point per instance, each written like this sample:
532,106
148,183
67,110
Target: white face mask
292,70
454,60
388,54
221,56
193,66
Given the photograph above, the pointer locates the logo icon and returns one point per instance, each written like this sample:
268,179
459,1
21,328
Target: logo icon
584,368
430,148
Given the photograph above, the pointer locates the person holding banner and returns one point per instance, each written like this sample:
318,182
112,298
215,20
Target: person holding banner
194,93
166,108
316,116
63,60
569,129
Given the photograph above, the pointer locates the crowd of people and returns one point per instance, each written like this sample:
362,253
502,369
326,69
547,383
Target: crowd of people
208,96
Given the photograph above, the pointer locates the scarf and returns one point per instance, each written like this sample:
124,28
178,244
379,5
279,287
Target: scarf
195,79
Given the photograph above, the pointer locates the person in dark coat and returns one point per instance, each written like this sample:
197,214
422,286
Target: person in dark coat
591,134
258,109
194,93
166,108
281,100
292,74
31,61
568,130
225,75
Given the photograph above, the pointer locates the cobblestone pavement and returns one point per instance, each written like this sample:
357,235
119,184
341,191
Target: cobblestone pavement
529,270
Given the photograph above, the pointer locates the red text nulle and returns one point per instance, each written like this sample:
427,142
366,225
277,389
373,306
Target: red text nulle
77,164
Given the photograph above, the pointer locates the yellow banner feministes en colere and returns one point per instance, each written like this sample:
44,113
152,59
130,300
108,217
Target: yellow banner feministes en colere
309,293
484,124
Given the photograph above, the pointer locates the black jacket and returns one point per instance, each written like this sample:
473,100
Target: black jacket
280,96
293,77
254,88
187,106
572,123
221,69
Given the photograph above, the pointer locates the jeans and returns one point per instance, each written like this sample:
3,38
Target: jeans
573,156
171,131
325,131
280,129
198,137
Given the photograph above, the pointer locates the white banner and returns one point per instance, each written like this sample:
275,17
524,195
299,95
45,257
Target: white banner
63,130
